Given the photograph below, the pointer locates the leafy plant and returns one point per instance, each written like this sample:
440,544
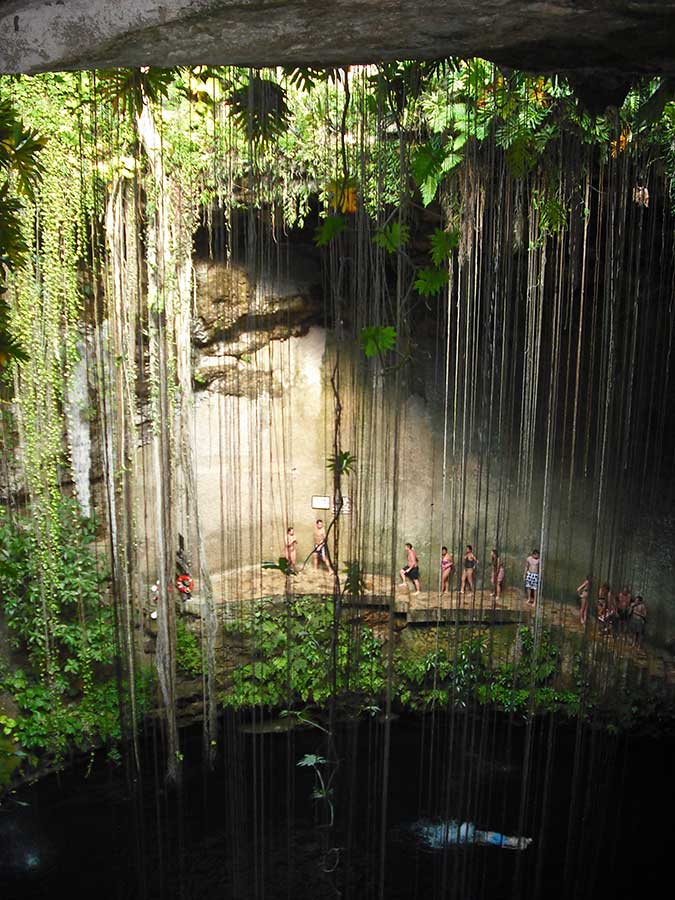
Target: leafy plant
377,339
322,787
82,625
430,282
293,650
128,89
328,229
259,108
188,651
342,464
442,244
392,237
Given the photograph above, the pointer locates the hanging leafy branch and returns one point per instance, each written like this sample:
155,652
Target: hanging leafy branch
442,245
260,108
392,237
328,229
20,172
430,282
306,78
377,339
125,89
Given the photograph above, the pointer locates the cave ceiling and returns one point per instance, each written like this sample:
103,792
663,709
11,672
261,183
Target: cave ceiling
607,40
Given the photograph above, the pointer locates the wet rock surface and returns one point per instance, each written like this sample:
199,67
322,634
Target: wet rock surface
239,313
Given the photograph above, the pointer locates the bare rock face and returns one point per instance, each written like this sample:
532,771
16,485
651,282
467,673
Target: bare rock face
624,36
237,315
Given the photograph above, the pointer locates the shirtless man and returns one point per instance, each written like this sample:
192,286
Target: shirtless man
319,552
623,603
291,550
411,569
532,577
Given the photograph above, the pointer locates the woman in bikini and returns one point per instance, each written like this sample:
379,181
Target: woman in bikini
470,563
447,568
582,592
497,574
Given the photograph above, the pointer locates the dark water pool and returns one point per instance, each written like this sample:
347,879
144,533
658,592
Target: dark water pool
444,806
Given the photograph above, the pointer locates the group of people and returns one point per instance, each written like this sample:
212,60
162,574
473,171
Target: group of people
319,553
616,612
470,563
619,612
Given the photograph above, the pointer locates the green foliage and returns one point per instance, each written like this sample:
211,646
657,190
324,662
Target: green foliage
8,725
10,348
127,89
306,78
259,108
525,683
19,151
328,229
52,720
342,464
430,162
438,677
431,281
377,339
292,657
552,214
392,237
82,631
311,760
20,172
442,244
188,651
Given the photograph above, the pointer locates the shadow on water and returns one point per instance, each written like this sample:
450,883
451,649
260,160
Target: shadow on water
476,807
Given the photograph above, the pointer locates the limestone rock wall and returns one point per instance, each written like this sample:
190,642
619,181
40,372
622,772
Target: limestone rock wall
624,37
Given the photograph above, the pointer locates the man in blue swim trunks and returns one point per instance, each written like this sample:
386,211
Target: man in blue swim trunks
411,570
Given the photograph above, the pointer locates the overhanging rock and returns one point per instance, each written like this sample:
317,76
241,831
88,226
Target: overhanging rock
582,36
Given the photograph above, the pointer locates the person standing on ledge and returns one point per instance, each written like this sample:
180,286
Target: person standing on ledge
532,577
582,593
447,568
470,563
411,569
319,553
291,550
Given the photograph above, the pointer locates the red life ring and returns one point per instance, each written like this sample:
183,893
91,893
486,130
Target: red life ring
184,584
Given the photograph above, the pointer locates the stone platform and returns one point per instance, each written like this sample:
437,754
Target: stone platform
235,590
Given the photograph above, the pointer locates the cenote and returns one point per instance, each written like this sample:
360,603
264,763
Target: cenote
336,459
250,827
